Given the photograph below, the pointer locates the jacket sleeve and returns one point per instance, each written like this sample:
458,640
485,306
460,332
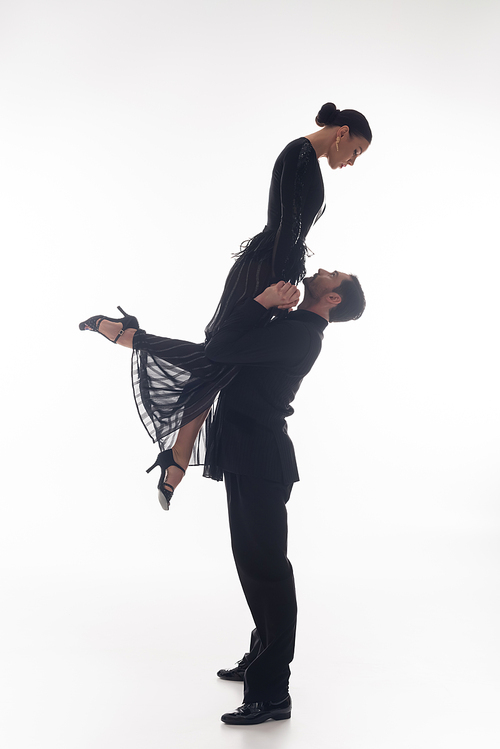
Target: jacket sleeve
242,339
295,183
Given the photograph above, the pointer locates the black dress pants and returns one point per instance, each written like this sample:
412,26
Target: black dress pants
258,524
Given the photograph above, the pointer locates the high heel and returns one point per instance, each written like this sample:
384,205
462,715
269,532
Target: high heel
94,323
164,461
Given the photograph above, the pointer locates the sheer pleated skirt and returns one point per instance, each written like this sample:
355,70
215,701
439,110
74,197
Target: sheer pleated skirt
173,383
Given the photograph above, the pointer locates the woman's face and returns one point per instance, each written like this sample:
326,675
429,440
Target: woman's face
349,148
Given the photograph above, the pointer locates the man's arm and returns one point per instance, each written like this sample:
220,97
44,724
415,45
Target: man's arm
241,341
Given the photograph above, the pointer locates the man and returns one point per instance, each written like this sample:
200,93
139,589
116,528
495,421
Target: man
257,457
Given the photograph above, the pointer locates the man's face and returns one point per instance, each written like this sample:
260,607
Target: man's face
324,282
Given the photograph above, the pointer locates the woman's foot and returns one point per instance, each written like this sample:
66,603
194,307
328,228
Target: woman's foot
111,330
180,453
107,328
171,475
167,487
174,476
121,330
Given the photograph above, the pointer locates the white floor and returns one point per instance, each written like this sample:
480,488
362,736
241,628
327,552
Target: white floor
397,657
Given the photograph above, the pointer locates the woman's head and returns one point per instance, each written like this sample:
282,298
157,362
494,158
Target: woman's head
351,134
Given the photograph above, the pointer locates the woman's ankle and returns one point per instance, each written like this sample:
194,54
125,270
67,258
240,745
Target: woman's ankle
109,329
180,457
127,339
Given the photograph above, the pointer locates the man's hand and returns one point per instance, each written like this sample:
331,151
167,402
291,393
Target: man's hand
281,295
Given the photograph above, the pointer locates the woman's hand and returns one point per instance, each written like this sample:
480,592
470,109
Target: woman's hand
281,295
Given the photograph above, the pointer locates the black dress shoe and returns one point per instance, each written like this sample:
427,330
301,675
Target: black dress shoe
234,674
251,713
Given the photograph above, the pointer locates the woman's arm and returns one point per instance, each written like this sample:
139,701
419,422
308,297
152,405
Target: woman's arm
296,179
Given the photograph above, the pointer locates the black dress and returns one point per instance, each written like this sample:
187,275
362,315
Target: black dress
173,380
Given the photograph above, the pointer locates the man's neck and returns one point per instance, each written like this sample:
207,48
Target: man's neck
317,309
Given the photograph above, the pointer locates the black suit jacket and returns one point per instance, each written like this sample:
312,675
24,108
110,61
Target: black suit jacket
249,434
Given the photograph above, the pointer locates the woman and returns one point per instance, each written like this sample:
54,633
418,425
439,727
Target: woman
174,384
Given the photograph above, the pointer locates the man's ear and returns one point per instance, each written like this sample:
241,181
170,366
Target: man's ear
334,299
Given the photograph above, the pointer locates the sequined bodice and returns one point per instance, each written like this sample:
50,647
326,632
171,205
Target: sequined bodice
296,189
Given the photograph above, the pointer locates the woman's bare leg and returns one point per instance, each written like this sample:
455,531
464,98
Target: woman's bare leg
183,448
111,330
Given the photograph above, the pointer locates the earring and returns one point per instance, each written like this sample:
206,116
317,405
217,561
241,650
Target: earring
337,143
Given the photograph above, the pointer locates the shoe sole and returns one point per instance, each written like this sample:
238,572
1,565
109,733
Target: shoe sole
239,722
164,503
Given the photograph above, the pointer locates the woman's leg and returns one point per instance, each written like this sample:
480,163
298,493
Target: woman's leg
186,437
111,330
183,448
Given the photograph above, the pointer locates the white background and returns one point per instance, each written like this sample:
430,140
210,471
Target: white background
137,142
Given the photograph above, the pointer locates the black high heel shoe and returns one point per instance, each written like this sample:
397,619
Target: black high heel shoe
93,323
165,460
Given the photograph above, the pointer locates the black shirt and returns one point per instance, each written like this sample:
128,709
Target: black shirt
250,430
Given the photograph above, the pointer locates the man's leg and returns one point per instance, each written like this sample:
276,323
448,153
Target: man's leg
258,523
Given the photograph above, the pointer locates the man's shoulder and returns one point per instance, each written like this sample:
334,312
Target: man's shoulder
301,332
305,320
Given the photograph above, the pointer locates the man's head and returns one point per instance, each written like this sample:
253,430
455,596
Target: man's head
336,296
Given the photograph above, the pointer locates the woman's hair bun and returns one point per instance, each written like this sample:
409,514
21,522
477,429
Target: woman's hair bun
355,121
327,114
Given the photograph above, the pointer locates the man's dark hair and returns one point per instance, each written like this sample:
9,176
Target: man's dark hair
353,301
